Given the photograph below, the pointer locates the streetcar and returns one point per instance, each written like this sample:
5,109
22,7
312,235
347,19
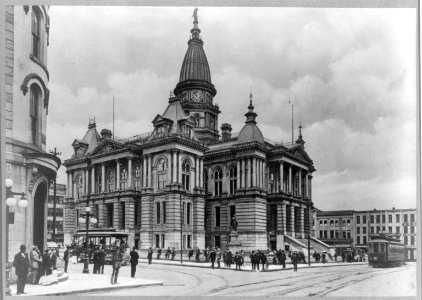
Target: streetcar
108,239
385,251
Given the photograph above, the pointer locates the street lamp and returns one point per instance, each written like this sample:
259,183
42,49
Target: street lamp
10,217
309,233
87,218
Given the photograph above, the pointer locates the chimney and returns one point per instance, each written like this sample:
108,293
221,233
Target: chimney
226,132
105,133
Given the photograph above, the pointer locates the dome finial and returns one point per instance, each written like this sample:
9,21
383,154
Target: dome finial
299,138
250,97
250,115
195,17
195,30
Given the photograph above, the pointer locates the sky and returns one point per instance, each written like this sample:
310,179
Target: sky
350,73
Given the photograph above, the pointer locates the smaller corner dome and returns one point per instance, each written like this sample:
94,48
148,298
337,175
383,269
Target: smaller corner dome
250,133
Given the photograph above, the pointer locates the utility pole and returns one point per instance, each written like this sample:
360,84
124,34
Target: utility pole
55,153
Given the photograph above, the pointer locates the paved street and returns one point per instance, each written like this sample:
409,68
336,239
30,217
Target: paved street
350,280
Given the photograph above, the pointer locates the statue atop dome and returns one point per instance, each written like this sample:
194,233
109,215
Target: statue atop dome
195,15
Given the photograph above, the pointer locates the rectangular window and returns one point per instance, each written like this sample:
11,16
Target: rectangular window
123,206
405,240
325,234
358,230
349,234
189,241
383,228
364,240
397,218
364,219
344,234
331,234
123,185
390,229
217,242
184,241
358,220
378,229
164,212
162,180
372,219
189,210
406,218
412,240
217,216
110,215
358,240
372,230
390,218
36,33
412,218
397,229
405,229
184,213
364,230
337,234
412,229
378,219
158,216
157,241
321,235
383,218
163,240
136,213
232,213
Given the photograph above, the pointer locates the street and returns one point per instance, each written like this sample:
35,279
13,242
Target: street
350,280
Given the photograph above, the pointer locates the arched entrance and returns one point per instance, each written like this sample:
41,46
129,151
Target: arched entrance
39,215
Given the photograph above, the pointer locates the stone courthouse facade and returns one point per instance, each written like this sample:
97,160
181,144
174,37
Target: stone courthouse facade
187,175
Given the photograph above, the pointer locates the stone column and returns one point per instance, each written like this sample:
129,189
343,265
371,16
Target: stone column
293,221
261,182
243,176
264,174
259,176
281,176
129,171
197,171
300,183
248,175
86,181
144,172
68,193
179,168
116,215
102,177
74,193
290,179
238,175
117,175
310,186
253,172
191,178
150,170
92,179
174,167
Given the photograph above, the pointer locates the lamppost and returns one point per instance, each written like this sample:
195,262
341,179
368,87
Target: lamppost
87,218
309,233
10,218
181,229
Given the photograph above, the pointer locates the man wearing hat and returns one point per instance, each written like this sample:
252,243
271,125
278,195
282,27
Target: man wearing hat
35,264
21,264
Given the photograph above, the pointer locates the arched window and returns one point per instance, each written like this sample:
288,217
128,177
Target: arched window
233,179
336,222
162,173
99,183
79,186
331,222
197,117
36,32
186,174
348,222
218,182
123,178
33,112
110,181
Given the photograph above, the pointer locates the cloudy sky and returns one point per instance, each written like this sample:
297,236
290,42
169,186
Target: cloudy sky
350,72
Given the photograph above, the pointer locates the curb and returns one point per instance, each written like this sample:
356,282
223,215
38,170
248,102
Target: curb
115,287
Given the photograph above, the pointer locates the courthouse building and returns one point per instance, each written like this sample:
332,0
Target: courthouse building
188,172
26,97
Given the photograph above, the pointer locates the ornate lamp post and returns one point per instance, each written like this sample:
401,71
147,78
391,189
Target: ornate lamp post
10,217
87,218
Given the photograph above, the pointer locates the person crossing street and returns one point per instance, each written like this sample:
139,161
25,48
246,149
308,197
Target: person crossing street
134,257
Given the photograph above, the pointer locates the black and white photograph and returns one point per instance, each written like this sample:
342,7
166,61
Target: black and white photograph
211,149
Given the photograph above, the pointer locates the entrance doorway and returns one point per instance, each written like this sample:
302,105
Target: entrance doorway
40,200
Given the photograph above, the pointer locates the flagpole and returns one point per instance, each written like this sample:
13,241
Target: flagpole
292,122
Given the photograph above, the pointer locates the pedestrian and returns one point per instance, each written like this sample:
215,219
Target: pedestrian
294,261
134,257
241,255
263,260
21,264
343,255
238,260
213,256
229,258
168,252
150,255
267,258
97,260
158,253
102,256
66,258
335,256
35,265
225,258
48,265
283,259
323,257
173,253
252,259
190,253
218,258
117,263
197,254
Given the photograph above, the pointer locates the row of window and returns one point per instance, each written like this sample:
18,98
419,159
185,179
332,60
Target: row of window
59,212
59,225
334,234
59,199
334,223
377,218
160,241
161,213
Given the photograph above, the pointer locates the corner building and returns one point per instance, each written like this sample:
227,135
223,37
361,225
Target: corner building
185,172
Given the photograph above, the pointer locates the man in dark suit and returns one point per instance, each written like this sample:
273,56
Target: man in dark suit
134,257
21,264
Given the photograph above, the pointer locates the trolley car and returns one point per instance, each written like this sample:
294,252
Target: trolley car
385,251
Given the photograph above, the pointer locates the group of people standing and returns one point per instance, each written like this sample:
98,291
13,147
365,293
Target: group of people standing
36,268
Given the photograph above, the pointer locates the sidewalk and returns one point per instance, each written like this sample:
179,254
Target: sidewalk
247,266
78,282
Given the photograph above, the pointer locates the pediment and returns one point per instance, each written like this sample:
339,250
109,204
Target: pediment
107,146
159,119
300,153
